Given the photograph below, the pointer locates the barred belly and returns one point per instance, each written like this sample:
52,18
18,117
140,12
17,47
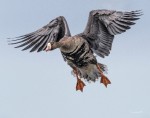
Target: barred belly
81,56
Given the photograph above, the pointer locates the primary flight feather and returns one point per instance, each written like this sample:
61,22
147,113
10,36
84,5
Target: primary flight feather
78,50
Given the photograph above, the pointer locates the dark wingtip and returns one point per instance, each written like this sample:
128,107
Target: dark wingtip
16,38
9,41
138,12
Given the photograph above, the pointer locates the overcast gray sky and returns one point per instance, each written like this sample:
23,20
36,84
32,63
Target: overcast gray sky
40,85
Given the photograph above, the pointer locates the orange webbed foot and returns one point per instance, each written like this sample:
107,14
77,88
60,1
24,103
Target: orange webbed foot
105,80
80,85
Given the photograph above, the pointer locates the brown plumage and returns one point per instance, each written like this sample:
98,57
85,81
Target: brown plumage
78,50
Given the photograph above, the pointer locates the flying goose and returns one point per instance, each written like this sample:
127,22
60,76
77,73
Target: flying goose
78,50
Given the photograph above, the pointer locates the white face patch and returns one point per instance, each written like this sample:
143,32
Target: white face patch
49,46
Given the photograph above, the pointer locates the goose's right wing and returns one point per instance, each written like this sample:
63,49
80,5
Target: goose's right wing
103,25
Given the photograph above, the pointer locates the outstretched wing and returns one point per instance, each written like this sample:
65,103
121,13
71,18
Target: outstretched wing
37,41
103,25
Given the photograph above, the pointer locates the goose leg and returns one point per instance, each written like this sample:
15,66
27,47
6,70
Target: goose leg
104,79
80,84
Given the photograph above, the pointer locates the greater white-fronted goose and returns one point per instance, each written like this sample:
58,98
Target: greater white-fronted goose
78,50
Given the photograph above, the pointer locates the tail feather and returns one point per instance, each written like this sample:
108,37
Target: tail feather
91,73
103,67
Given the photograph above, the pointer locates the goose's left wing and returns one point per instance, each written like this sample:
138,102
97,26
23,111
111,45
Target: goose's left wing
38,40
103,25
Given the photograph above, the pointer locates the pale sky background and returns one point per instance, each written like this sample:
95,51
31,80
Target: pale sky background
40,85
